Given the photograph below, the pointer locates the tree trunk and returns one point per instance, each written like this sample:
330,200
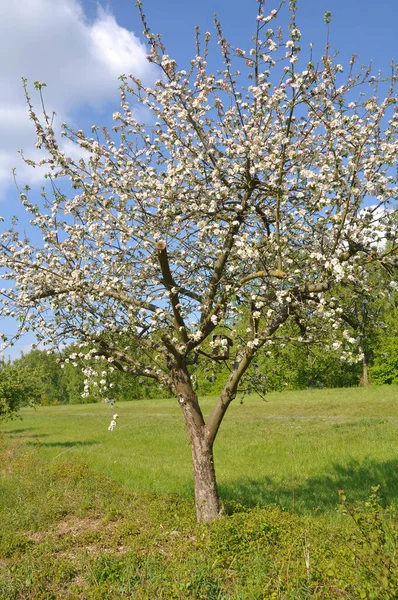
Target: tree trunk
206,494
365,375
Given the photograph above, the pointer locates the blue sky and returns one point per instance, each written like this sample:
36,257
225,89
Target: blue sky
365,27
78,48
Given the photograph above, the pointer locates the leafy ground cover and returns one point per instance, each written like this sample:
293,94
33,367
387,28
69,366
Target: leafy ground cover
88,513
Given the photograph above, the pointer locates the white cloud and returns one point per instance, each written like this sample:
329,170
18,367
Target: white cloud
52,41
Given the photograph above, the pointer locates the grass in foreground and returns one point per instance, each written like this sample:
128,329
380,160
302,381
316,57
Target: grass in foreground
85,513
69,532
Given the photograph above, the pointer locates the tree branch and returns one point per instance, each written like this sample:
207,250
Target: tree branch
123,298
172,289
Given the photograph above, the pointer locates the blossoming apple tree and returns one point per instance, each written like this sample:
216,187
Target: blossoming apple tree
239,208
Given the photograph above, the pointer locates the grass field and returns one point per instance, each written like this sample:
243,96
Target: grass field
297,447
88,513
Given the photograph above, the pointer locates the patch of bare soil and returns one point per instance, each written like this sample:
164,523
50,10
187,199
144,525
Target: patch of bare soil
76,527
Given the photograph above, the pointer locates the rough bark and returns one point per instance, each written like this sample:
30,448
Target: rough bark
206,494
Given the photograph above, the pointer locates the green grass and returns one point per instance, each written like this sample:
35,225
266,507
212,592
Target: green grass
90,514
297,448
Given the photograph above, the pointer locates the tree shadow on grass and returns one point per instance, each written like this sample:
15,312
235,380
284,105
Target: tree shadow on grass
319,494
20,430
24,433
25,436
61,444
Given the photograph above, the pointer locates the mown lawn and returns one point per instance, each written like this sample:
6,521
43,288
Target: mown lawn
88,513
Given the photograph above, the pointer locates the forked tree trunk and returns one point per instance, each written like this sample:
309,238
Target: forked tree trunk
206,494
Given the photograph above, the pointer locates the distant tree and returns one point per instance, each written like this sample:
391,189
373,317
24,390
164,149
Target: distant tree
244,199
17,389
47,374
385,362
300,366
